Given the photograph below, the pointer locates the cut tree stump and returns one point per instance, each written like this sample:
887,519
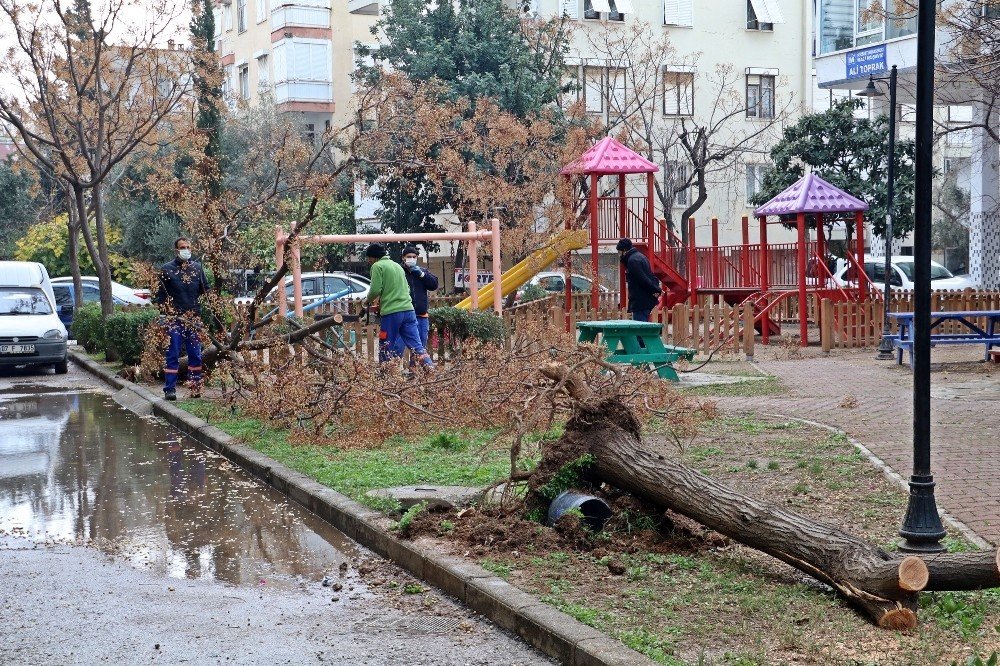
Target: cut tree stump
882,585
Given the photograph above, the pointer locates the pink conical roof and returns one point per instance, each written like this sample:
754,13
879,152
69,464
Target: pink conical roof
812,194
609,156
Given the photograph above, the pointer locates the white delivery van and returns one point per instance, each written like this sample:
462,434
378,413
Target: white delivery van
31,333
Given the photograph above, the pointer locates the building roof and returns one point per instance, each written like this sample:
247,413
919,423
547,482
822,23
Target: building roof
609,156
812,194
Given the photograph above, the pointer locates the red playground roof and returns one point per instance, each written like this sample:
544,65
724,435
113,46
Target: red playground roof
609,156
812,194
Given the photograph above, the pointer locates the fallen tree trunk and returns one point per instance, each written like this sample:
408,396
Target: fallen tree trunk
882,585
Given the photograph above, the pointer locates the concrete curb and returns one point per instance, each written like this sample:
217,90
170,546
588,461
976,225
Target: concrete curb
542,626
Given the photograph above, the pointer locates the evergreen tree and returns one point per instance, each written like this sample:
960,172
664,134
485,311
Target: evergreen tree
207,84
850,153
479,49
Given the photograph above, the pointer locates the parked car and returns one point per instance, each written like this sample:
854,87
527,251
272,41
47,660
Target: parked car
31,333
555,282
66,304
122,293
902,275
318,285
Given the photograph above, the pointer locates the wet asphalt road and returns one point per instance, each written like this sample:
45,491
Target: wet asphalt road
123,542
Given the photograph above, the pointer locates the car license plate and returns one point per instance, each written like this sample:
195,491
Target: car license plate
17,349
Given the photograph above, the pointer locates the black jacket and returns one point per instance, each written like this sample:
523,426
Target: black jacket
421,281
180,286
643,287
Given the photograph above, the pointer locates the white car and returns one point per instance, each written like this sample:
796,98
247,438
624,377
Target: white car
122,293
31,333
902,275
555,282
319,285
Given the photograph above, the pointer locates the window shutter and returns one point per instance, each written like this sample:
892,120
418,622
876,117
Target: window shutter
261,10
678,12
571,9
217,16
280,62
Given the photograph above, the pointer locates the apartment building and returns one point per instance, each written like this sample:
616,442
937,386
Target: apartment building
852,43
296,54
764,41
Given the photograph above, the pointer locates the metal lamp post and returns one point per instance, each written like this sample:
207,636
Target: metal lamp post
922,530
885,344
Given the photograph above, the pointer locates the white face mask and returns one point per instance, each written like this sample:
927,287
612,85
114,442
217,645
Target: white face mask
184,255
411,262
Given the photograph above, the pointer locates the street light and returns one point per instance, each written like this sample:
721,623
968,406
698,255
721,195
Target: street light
885,344
922,530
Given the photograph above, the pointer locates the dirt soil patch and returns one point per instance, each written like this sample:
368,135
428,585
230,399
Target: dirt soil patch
682,594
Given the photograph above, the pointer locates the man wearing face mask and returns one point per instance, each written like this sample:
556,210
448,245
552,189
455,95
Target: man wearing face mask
421,281
182,282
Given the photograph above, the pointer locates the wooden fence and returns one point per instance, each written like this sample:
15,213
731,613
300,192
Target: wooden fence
856,325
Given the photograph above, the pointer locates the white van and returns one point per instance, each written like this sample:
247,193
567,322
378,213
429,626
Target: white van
30,330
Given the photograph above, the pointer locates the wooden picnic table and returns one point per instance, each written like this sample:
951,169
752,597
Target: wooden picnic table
635,343
987,335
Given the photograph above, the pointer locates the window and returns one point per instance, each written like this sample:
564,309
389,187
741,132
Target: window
244,74
678,93
554,283
869,22
760,96
227,15
991,9
570,8
678,12
593,89
618,9
63,294
263,76
217,20
592,9
752,21
755,180
241,15
836,25
227,81
617,93
580,284
677,177
261,6
309,136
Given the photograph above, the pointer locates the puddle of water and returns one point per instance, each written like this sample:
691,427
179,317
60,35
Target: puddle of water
75,466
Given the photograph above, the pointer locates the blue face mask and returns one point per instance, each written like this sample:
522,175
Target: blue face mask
184,255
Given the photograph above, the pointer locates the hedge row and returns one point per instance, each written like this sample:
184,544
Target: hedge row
121,336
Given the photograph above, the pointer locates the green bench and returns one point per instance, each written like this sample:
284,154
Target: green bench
635,343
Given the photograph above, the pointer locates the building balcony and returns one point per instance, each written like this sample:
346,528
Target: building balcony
303,91
302,13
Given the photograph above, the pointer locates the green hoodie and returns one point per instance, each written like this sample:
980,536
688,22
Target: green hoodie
389,282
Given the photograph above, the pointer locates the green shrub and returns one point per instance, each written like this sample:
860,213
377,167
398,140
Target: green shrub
459,324
125,333
88,327
533,292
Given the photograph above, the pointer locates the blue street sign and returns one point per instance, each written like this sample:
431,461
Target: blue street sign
866,62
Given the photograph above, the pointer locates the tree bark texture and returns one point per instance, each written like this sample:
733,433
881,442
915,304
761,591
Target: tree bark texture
883,586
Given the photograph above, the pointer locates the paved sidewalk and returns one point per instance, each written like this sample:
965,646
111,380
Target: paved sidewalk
872,401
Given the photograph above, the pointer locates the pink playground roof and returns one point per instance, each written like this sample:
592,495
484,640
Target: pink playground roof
609,156
812,194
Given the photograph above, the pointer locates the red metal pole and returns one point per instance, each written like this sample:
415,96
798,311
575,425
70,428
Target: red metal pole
820,252
279,261
568,262
803,317
497,266
716,266
692,264
622,233
864,284
765,328
594,217
745,253
473,280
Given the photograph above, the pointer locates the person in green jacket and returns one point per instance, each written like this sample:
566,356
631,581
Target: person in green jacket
390,293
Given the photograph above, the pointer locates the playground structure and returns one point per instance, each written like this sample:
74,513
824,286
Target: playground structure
759,274
474,236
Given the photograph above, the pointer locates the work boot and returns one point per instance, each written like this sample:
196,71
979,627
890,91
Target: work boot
170,394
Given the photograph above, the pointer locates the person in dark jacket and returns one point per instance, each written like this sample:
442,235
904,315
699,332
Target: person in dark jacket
643,287
182,282
421,281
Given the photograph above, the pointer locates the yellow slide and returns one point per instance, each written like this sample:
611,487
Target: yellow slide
563,242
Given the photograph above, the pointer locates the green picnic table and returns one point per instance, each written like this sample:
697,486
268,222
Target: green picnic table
622,338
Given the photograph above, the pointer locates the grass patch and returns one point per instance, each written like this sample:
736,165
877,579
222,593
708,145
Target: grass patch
745,389
456,459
